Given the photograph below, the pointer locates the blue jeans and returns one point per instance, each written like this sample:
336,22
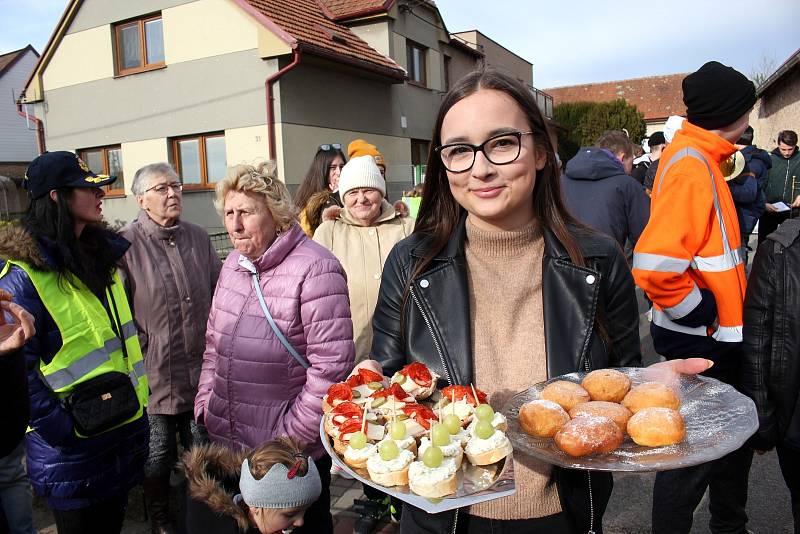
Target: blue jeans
15,492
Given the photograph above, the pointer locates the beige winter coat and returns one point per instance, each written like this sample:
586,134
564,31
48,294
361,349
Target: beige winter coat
362,252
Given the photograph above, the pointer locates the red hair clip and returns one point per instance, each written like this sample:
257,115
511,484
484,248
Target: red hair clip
296,466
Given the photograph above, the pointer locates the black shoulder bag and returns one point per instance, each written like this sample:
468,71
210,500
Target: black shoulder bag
105,401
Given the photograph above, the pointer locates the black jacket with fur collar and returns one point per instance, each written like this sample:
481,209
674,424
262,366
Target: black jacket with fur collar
212,477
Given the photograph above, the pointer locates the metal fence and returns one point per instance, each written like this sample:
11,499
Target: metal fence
221,243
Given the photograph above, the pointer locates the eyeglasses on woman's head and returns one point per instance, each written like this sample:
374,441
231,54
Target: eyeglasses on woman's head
329,146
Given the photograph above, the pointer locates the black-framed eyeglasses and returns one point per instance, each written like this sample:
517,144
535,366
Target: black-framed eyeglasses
329,146
500,149
163,189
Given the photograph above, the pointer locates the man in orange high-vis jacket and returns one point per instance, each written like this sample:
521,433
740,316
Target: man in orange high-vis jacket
689,262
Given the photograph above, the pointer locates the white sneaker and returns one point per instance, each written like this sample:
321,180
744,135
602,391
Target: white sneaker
338,471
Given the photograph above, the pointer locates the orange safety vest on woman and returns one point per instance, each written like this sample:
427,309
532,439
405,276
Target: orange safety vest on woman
692,240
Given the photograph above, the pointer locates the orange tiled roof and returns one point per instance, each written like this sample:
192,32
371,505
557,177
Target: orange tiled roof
305,21
345,9
657,97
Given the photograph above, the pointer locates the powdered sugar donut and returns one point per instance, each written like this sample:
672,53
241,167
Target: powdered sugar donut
542,418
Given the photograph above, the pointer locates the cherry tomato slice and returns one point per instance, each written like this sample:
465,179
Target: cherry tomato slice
460,392
354,381
394,390
350,426
348,409
421,414
418,372
369,376
340,392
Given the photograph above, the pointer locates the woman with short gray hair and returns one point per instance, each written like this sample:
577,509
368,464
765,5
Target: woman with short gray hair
172,270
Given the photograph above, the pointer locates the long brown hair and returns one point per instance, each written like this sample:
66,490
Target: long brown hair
439,212
316,179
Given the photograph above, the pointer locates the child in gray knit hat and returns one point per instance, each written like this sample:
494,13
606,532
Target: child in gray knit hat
277,483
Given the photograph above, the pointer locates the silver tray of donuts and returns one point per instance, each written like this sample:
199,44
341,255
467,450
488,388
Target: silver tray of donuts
629,419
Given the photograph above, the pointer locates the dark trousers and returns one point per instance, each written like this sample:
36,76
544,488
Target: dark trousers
770,221
102,518
789,460
318,518
677,493
164,445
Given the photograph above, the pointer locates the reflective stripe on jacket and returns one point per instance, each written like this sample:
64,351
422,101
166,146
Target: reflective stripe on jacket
90,347
692,240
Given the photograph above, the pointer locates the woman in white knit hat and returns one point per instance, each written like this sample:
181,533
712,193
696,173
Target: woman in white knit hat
360,236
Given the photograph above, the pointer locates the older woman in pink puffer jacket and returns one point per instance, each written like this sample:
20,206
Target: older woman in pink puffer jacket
252,389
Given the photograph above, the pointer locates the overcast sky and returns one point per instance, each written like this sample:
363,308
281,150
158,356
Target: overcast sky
568,41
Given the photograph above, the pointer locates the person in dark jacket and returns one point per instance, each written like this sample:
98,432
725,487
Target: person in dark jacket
62,243
172,271
782,184
656,143
15,495
599,192
759,163
496,287
771,351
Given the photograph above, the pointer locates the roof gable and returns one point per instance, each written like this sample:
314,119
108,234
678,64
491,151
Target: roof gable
312,31
657,97
8,59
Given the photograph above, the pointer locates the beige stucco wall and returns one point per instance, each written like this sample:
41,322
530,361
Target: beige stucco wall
499,57
206,28
93,47
376,35
137,154
778,109
246,145
296,155
192,31
651,127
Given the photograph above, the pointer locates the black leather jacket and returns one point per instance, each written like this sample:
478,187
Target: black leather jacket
437,332
771,346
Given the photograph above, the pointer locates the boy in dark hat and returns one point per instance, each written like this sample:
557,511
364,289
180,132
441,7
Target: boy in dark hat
656,143
689,262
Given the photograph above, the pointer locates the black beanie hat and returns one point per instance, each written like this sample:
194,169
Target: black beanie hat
716,95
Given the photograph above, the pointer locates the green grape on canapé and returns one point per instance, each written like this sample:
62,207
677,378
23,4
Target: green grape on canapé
484,412
397,430
358,440
388,450
439,434
484,429
452,423
432,457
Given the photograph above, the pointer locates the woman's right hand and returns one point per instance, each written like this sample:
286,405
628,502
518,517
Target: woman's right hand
15,334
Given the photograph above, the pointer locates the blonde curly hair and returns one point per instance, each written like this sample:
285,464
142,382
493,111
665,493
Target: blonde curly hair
259,180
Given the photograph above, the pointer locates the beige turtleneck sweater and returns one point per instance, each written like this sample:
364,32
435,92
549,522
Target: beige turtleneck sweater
508,347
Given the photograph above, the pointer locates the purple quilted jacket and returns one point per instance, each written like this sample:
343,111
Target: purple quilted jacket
251,389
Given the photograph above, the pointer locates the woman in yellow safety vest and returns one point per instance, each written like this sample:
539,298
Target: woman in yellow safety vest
88,436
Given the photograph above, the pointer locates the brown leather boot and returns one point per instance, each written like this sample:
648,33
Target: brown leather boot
156,495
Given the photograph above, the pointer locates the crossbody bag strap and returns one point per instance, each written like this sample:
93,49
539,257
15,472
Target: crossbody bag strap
285,342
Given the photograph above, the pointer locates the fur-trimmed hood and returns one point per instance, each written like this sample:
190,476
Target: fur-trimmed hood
206,467
17,244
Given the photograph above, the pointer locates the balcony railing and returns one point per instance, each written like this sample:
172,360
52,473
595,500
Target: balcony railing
544,100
